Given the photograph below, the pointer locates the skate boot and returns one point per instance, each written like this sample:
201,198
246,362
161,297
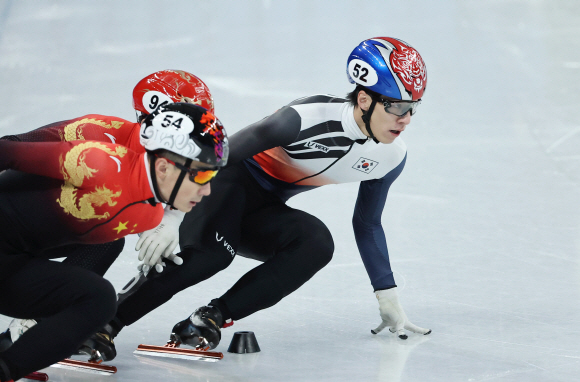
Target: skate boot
100,346
201,330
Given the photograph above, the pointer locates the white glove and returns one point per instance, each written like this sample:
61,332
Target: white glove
394,316
19,326
160,265
161,241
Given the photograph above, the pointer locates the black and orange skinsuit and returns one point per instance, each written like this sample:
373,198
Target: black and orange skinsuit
53,197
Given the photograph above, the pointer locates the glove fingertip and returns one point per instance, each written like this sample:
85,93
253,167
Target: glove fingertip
401,334
178,260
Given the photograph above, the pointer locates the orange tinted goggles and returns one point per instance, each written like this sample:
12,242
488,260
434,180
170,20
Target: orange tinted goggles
198,176
201,177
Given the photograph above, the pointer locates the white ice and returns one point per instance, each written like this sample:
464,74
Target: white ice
483,226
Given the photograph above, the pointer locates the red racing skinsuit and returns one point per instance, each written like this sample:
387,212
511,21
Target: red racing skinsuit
97,258
89,192
56,195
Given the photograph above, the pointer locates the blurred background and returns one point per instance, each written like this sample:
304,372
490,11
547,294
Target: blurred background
483,226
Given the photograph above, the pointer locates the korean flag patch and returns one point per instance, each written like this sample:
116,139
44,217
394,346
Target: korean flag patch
365,165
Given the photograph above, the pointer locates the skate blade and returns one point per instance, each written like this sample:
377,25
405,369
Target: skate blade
173,352
36,376
87,367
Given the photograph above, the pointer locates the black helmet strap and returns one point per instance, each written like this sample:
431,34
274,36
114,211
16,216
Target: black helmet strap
152,160
366,117
178,183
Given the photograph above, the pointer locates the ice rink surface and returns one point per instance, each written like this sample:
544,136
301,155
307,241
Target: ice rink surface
483,226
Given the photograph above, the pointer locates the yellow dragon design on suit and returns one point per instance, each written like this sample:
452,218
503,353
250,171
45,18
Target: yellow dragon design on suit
75,170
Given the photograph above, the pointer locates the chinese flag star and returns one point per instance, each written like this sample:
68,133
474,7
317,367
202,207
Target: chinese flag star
121,227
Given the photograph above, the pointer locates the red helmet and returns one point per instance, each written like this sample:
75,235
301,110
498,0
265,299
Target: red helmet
169,86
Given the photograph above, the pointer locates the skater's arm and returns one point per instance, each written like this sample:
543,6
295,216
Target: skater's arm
73,161
93,127
369,233
48,133
278,129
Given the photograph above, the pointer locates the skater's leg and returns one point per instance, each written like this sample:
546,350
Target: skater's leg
209,236
95,257
293,244
197,266
73,303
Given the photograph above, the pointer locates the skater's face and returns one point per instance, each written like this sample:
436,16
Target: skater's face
189,194
385,126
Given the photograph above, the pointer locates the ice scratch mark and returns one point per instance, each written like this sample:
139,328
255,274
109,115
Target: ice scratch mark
531,364
566,136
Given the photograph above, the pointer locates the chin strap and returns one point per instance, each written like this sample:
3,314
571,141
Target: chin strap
178,183
366,117
152,201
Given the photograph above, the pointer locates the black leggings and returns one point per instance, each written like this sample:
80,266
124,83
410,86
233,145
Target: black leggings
71,298
72,302
239,217
93,257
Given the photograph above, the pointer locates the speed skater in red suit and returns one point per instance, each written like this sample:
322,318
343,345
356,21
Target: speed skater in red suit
55,195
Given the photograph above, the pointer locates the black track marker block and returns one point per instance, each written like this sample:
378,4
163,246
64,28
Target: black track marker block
244,342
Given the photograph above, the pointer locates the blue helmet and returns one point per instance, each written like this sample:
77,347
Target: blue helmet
388,66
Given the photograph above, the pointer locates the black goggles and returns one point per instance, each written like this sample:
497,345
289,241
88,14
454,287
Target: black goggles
400,108
197,176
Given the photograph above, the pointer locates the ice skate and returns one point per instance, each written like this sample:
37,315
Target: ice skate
36,376
202,330
99,347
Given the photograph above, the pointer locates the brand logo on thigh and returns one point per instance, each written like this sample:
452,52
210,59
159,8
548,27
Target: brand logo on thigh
227,246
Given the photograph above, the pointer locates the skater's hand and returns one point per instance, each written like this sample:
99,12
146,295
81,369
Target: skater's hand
394,316
142,267
160,242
